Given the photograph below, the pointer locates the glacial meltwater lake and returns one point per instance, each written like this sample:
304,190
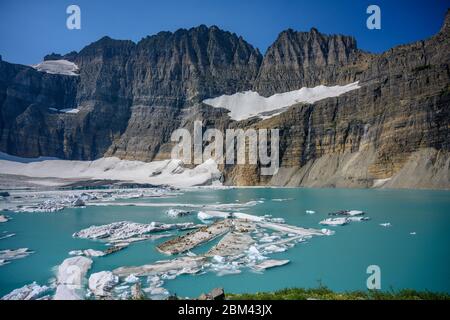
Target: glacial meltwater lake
412,253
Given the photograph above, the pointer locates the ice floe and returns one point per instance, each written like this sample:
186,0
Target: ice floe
347,213
87,253
131,279
126,232
175,213
56,200
357,219
192,239
6,256
31,291
310,211
270,264
334,221
70,277
5,235
182,265
386,224
232,244
101,283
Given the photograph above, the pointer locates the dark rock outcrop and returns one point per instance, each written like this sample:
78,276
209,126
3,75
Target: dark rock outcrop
308,59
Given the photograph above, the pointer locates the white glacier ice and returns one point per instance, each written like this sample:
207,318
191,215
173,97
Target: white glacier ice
101,283
31,291
244,105
165,172
334,221
62,66
70,277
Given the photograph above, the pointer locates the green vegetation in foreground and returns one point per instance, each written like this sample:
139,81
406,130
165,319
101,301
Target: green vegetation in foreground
323,293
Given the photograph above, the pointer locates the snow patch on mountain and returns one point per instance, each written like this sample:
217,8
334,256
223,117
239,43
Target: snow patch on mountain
244,105
63,67
166,172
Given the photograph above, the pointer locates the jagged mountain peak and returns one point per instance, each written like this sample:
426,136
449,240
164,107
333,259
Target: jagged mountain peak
305,59
446,25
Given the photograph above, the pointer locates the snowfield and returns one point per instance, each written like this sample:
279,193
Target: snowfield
166,172
244,105
63,67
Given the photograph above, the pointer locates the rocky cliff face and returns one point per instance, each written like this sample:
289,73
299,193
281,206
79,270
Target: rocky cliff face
308,59
393,132
131,96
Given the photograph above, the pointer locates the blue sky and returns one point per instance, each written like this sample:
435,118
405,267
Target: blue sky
29,29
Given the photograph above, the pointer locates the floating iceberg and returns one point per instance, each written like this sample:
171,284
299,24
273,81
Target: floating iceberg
270,264
131,279
347,213
5,235
102,283
87,253
125,231
6,256
31,291
69,278
334,221
357,219
175,213
175,267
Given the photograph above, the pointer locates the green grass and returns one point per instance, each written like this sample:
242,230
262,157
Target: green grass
323,293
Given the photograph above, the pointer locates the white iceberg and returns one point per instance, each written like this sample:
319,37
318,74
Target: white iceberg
175,213
358,218
270,264
355,212
69,278
125,231
101,283
31,291
334,221
204,216
87,253
131,279
6,256
73,270
327,232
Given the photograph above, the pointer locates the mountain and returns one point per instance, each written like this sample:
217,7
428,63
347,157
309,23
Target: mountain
129,97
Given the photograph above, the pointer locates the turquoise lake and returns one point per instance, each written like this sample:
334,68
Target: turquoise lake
416,261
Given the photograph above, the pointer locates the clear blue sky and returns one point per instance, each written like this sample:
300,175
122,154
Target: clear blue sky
29,29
